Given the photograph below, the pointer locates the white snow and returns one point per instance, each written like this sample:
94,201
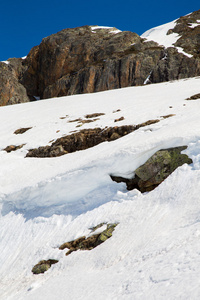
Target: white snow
193,25
147,79
44,202
5,62
111,29
159,35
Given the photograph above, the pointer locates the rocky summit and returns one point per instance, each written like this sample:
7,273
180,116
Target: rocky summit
94,58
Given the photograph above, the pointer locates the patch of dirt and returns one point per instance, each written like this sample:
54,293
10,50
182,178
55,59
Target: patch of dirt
21,130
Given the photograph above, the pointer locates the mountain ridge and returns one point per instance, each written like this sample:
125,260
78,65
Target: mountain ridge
89,59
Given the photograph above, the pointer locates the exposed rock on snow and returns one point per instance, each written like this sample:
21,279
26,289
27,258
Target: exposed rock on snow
81,243
94,115
43,266
85,139
13,148
90,242
156,169
119,119
194,97
22,130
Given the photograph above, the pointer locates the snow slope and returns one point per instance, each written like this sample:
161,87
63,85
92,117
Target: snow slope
159,35
44,202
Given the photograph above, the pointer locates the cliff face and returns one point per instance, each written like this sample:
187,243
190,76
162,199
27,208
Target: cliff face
90,59
11,90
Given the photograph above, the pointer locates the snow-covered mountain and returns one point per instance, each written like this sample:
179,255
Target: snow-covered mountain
154,251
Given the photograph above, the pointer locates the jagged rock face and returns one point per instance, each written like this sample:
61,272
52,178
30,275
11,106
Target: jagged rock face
91,59
85,60
188,27
176,65
11,91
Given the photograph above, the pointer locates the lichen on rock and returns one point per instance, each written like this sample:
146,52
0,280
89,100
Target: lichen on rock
90,242
43,266
156,169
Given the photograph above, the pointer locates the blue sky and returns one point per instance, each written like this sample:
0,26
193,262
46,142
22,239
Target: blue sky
25,22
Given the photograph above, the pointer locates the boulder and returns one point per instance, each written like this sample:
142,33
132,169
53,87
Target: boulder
43,266
156,169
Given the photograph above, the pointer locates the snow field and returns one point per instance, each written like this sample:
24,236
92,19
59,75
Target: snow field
154,251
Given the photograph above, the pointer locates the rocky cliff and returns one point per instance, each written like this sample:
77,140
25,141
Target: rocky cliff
92,58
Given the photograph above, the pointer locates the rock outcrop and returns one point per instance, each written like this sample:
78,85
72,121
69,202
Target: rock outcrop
82,243
156,169
91,59
88,59
90,242
43,266
188,28
11,90
84,139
